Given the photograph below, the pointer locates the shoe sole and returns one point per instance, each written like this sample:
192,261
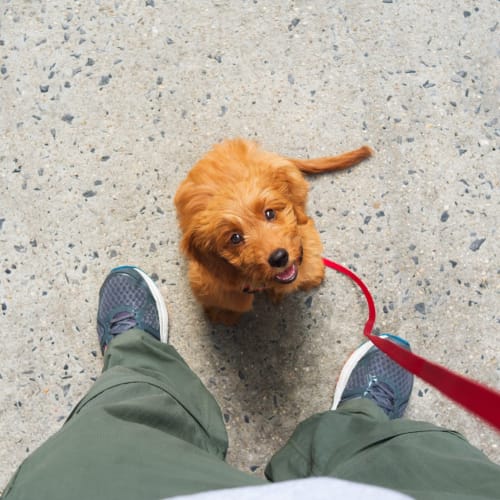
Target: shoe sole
159,301
351,363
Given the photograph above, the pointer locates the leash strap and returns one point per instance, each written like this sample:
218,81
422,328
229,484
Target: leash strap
475,397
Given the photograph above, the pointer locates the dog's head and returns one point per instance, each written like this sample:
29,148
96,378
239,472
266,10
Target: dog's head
239,210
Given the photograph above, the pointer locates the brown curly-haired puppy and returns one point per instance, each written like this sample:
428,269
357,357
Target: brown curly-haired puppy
242,213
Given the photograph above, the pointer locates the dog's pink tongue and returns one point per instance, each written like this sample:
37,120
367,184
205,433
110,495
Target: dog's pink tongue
287,273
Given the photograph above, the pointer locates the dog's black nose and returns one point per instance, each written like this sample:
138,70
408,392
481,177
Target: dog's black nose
278,258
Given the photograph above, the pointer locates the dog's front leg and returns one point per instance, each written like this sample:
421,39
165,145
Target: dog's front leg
226,306
222,316
221,302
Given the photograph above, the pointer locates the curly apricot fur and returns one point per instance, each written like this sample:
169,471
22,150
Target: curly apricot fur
237,188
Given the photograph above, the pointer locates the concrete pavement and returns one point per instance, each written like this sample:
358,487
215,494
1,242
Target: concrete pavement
106,105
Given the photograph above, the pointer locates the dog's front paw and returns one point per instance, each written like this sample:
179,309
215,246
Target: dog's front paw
222,316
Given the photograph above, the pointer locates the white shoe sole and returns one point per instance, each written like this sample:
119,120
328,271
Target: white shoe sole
347,369
160,304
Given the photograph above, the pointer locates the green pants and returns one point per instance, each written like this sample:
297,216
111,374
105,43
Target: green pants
149,429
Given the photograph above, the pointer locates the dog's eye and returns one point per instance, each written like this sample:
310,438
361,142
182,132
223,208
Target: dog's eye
270,214
236,238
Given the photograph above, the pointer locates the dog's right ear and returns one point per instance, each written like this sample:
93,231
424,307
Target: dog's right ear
198,248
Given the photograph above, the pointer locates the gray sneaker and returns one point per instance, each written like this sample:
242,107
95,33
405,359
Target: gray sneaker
130,299
371,374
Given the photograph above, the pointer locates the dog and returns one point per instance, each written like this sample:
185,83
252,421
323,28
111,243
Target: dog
242,214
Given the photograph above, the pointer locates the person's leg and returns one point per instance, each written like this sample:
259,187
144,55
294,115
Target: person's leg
364,440
148,428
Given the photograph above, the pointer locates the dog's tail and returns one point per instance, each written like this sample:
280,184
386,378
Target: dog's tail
330,163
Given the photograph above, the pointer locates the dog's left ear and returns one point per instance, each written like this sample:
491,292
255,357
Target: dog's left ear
295,188
199,246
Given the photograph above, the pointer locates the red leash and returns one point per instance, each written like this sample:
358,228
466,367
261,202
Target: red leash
473,396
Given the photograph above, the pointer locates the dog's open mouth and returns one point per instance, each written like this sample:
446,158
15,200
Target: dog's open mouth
288,275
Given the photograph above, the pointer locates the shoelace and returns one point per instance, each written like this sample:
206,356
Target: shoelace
122,322
381,393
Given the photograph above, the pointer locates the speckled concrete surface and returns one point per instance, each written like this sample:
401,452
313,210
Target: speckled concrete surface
105,105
